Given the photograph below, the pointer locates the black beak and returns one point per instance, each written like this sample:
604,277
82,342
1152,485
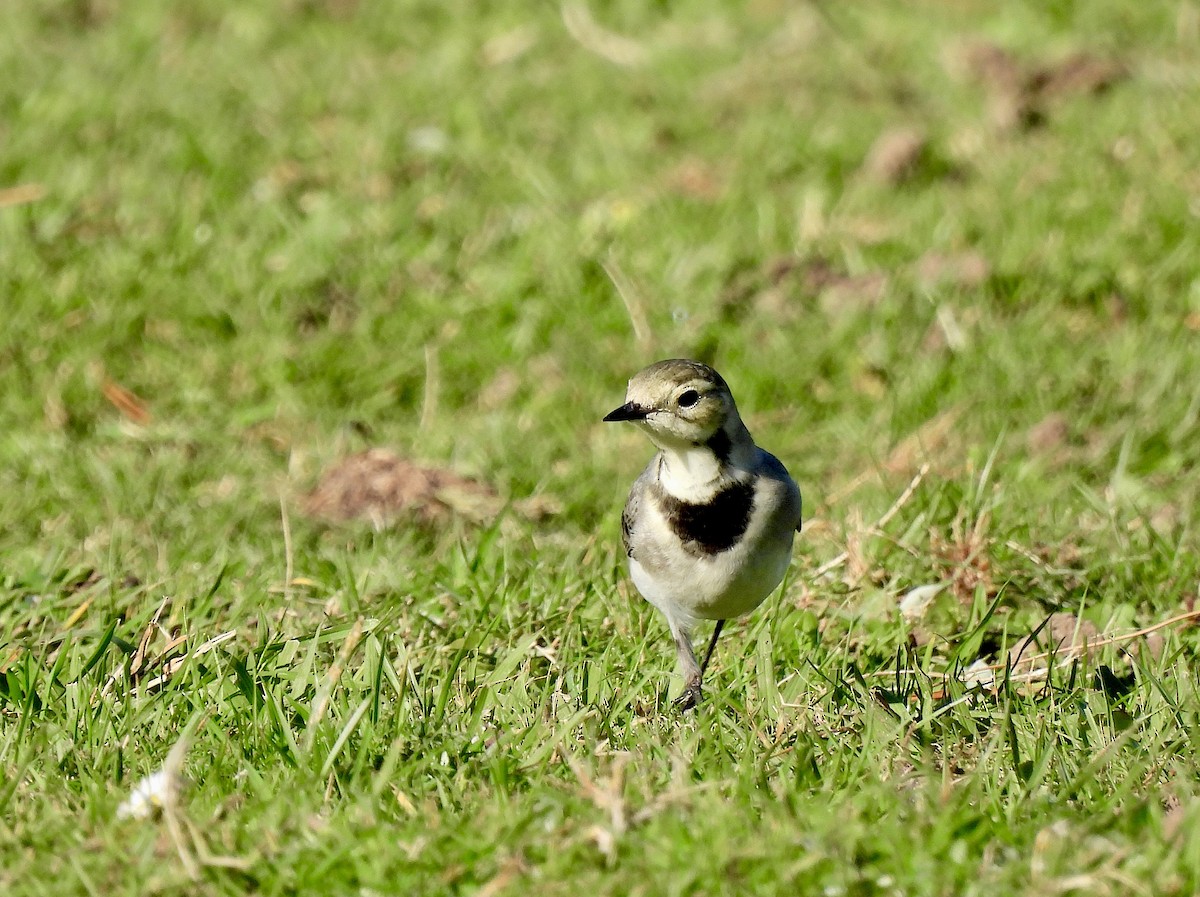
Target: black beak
628,411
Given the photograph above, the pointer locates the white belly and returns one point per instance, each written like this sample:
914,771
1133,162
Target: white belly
719,587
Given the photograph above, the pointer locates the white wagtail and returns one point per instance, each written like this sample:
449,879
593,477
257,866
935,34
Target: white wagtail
708,525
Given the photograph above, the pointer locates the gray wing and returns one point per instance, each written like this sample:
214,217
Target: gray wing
772,467
633,506
627,518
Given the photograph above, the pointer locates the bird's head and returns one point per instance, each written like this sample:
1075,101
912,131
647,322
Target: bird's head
679,403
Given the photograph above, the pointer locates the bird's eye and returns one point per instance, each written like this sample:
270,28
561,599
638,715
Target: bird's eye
688,398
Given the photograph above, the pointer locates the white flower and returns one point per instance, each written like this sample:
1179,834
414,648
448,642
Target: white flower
151,795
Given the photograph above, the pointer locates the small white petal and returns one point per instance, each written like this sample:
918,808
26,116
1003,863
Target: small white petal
916,602
979,673
149,796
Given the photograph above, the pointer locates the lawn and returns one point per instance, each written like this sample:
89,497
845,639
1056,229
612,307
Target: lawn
946,254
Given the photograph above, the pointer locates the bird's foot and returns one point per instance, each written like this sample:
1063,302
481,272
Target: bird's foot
690,698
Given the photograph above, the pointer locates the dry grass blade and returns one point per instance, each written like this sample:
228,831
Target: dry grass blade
321,700
21,195
126,402
1062,656
616,48
511,869
139,656
288,555
77,614
900,502
610,798
633,303
433,380
173,665
1108,640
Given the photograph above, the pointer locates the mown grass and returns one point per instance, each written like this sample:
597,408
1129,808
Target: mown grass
299,229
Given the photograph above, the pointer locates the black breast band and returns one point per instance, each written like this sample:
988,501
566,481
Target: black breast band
711,527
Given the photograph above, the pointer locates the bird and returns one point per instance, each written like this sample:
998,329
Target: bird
709,524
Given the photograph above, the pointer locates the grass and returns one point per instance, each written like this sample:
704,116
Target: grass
299,229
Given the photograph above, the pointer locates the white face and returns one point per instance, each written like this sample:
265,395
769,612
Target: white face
680,413
678,403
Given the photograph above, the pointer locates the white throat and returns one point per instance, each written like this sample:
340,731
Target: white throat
691,474
695,473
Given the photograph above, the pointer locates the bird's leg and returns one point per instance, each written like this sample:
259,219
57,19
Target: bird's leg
692,673
712,644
